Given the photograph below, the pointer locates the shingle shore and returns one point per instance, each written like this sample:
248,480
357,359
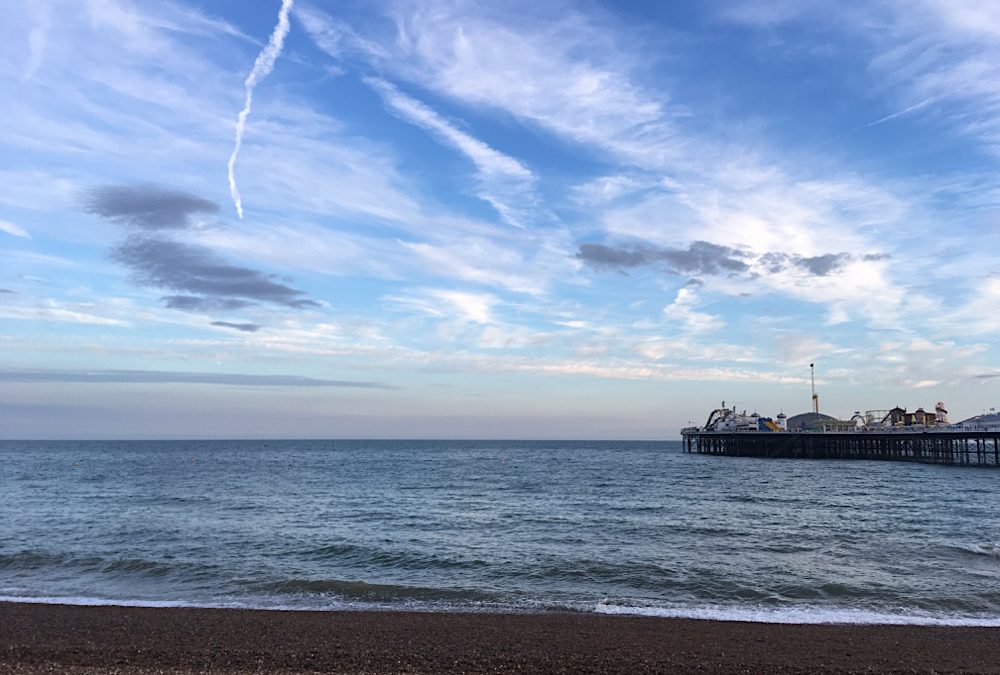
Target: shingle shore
38,638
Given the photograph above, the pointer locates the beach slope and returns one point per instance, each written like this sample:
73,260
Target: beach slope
36,638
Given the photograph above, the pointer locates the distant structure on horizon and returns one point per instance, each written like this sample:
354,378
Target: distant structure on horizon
889,434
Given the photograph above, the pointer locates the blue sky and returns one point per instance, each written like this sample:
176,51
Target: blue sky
524,220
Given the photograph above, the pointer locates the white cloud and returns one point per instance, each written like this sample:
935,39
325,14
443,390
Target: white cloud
683,309
477,307
913,362
449,305
54,310
14,230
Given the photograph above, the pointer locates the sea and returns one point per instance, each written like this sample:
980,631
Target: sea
634,528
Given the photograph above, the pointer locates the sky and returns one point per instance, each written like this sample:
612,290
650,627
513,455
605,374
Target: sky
492,220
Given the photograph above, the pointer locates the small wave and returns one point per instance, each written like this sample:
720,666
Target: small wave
147,567
987,550
40,560
798,615
332,551
407,560
31,560
788,547
360,590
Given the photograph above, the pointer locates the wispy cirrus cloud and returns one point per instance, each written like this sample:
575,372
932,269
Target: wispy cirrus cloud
526,64
505,182
935,58
947,55
533,69
488,160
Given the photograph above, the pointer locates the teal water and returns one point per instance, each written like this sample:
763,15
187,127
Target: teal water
617,527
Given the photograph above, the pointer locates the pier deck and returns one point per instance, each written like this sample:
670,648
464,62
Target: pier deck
972,448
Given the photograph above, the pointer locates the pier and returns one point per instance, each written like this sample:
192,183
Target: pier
945,446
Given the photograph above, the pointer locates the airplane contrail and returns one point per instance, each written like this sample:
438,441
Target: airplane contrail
874,123
261,68
904,111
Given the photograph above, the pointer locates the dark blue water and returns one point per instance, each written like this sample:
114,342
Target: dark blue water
451,525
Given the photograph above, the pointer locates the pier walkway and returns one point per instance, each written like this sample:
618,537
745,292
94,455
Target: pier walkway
959,447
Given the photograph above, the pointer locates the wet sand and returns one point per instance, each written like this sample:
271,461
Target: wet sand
59,638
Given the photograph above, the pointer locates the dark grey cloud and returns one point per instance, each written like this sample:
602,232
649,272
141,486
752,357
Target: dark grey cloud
163,377
700,257
6,290
163,263
705,258
820,266
774,262
245,327
194,303
823,265
147,207
202,280
617,257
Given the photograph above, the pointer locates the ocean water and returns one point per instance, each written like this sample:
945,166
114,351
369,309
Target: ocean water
611,527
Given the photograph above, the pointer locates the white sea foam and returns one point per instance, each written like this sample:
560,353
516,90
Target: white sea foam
788,615
93,602
799,615
326,605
